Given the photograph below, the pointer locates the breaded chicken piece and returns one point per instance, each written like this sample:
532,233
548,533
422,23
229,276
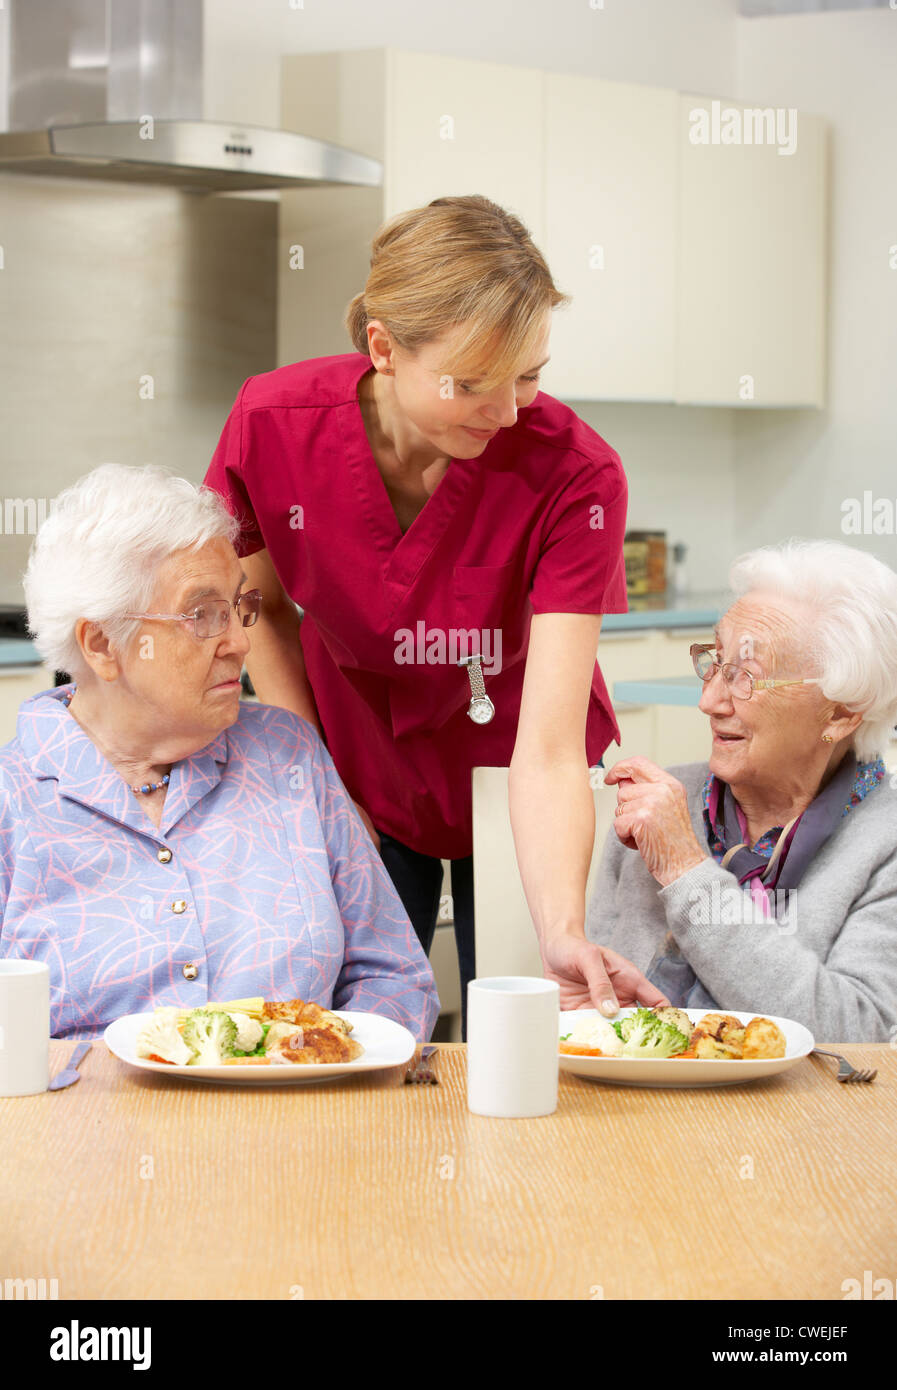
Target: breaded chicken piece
320,1045
724,1029
763,1038
299,1012
705,1045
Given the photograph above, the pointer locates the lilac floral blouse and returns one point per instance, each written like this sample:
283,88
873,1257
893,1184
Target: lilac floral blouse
259,880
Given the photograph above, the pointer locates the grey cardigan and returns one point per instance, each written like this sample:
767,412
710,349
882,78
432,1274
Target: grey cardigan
829,961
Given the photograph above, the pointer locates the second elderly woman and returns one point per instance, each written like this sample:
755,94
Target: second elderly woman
765,879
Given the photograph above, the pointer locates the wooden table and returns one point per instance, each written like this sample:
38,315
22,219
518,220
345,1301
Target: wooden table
132,1186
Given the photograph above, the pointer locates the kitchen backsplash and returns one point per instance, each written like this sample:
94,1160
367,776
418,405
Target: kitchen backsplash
130,318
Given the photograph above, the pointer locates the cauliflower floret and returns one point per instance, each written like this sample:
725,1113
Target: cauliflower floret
595,1031
160,1037
249,1032
277,1034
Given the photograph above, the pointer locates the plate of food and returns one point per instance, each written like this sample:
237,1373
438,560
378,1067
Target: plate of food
259,1041
679,1047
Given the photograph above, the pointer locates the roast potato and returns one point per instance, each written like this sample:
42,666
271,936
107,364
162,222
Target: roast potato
763,1038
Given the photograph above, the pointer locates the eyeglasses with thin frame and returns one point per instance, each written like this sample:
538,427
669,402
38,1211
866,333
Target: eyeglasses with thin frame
740,682
212,617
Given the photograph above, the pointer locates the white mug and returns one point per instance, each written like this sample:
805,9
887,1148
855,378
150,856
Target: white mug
24,1027
512,1046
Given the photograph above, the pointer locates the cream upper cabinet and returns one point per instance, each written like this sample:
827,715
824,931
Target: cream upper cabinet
610,219
752,256
441,126
696,271
458,126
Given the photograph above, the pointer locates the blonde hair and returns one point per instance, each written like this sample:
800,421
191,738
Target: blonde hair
461,260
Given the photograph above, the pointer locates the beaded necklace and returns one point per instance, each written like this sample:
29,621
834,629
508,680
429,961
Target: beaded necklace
147,786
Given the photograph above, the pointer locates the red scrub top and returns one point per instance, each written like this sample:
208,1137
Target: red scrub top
533,525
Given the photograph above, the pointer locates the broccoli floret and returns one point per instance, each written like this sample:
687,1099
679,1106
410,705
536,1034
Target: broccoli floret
649,1036
641,1017
676,1018
212,1035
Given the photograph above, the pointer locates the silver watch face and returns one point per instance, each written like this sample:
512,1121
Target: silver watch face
481,710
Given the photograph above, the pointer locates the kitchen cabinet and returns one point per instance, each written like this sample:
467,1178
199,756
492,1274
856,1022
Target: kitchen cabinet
610,215
751,264
456,126
441,126
696,271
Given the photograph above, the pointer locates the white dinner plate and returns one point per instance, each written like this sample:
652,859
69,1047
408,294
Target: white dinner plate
691,1071
385,1042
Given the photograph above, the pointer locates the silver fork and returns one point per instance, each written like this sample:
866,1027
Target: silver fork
418,1072
846,1071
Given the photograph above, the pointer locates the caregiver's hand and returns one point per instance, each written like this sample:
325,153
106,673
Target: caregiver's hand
594,977
652,816
369,824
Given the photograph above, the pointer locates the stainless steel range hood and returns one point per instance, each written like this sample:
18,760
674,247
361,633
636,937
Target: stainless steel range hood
113,89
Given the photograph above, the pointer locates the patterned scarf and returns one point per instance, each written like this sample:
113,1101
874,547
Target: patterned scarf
781,855
762,868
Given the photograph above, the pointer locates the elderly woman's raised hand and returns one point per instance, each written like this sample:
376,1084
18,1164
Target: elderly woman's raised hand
652,817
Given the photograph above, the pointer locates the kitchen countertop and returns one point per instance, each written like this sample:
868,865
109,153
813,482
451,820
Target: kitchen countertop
669,610
669,690
18,651
654,610
700,610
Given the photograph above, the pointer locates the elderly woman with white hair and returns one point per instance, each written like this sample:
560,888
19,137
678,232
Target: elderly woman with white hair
765,879
161,841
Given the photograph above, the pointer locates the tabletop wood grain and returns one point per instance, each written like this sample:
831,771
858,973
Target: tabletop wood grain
132,1186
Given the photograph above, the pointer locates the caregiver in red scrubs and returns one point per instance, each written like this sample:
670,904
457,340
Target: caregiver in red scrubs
423,502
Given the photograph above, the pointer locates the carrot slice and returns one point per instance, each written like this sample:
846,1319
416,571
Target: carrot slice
576,1051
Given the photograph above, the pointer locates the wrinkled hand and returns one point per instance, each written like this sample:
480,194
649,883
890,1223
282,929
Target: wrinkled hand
369,825
652,817
594,977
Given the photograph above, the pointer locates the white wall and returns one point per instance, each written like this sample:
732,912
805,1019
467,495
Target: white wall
680,464
794,468
677,43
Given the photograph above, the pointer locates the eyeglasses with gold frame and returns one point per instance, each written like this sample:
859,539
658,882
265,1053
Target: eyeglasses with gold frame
741,683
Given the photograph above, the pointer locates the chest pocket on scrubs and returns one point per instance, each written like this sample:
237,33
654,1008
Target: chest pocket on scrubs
483,592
